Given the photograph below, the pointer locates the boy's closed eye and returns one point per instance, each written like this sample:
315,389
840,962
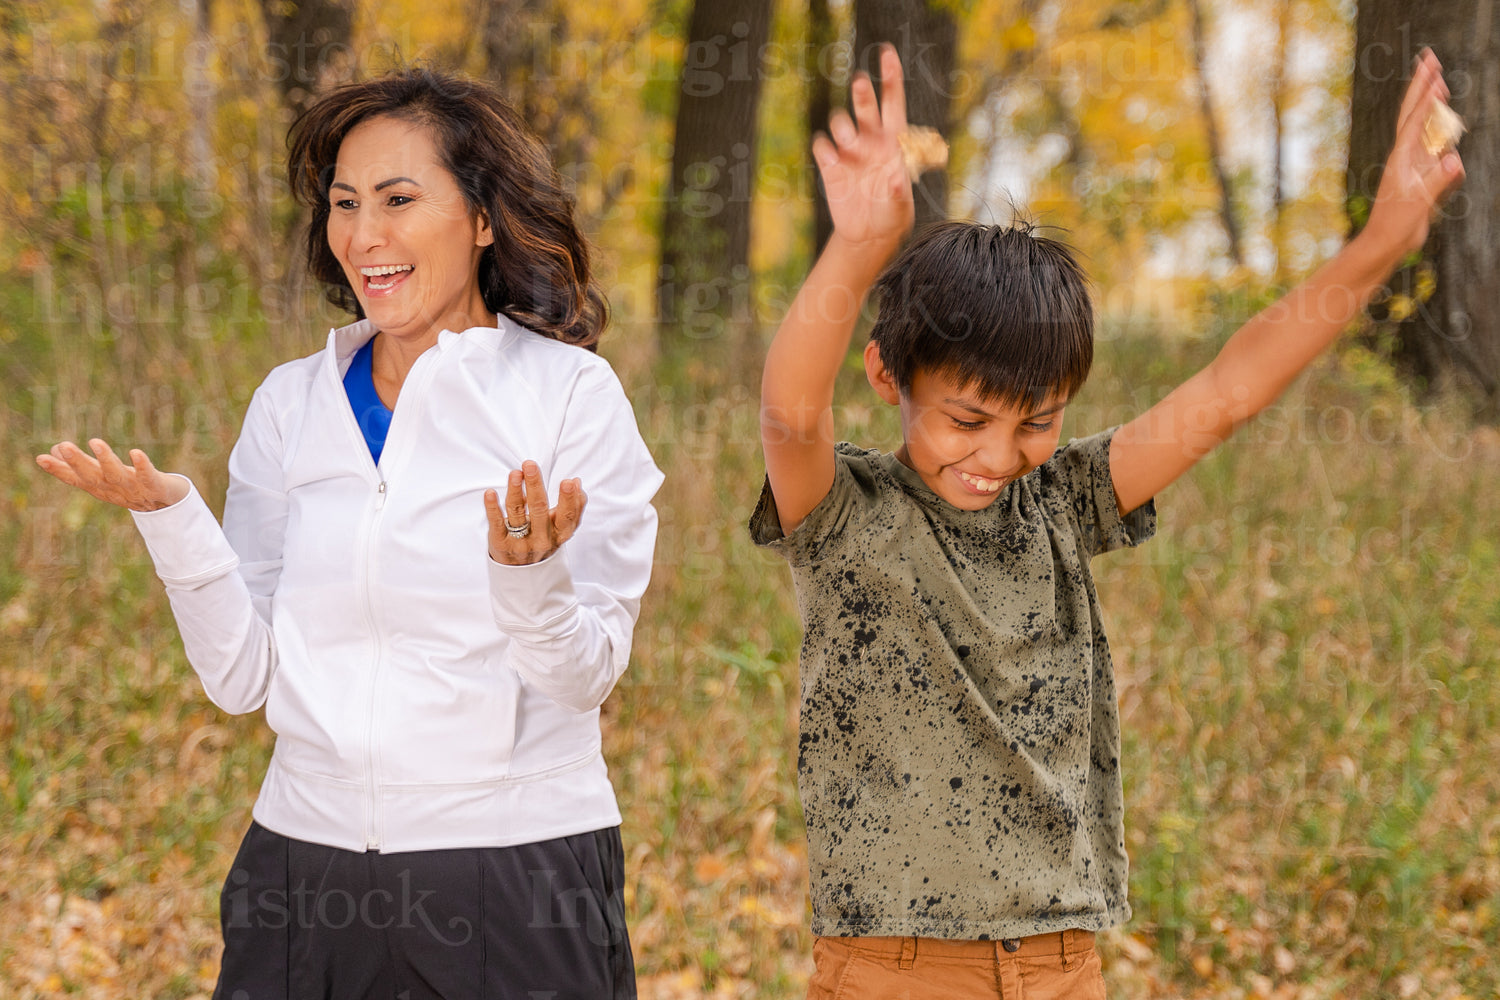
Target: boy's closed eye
976,419
1030,426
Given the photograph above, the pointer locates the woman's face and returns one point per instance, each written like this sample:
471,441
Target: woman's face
404,235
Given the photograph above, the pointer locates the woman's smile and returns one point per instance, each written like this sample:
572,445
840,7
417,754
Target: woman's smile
382,279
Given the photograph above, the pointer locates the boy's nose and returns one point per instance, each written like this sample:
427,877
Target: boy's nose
1000,457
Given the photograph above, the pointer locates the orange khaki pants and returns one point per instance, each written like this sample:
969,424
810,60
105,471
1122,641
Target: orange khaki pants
1063,966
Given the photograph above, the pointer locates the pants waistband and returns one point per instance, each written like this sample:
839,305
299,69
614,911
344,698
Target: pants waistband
1067,945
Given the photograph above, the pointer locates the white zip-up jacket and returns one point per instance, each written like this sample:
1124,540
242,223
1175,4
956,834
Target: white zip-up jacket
422,695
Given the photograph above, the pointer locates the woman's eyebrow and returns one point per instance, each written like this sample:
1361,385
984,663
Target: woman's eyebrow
378,187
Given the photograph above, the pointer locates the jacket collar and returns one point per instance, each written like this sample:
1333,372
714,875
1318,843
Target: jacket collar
343,341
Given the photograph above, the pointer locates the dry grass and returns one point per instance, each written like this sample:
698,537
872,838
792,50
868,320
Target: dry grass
1305,655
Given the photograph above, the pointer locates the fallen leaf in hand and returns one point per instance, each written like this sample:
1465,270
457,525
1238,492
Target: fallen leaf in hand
1442,129
923,149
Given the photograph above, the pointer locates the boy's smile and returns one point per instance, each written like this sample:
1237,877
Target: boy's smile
967,448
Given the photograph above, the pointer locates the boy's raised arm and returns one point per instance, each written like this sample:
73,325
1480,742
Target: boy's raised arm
870,200
1269,351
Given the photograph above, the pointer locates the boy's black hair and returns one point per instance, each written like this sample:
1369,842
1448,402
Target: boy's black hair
995,308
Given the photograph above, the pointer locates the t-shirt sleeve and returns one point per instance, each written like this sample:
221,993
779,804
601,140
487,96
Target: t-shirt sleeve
1080,472
849,501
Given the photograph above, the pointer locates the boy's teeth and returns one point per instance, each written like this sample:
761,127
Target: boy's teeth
979,482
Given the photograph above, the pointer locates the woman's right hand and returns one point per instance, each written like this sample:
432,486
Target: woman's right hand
138,486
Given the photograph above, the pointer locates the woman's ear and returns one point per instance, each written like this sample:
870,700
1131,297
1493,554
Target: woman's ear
880,376
484,236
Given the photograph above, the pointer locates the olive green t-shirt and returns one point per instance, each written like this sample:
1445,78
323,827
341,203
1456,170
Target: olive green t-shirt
959,757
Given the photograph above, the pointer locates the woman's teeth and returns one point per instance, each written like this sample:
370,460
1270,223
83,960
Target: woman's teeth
371,273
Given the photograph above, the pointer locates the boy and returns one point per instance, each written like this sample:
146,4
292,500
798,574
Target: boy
959,754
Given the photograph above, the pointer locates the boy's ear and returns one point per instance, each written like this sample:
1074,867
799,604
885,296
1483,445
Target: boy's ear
880,377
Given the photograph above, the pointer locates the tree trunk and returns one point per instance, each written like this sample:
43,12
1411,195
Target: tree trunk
1279,103
523,43
202,172
309,44
926,37
704,290
1441,311
1215,147
822,36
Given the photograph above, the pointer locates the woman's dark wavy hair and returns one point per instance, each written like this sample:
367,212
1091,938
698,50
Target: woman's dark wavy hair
537,270
999,309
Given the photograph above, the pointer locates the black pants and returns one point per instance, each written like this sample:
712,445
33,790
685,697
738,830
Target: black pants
543,921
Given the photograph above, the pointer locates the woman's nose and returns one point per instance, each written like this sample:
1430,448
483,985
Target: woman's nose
369,230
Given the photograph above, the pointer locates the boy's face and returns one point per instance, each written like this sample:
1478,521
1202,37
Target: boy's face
965,447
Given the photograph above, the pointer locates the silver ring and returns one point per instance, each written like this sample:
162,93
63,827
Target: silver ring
516,530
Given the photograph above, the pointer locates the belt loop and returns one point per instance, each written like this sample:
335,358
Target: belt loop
908,952
1069,947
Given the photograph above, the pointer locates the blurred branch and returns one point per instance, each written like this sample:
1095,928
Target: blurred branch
1215,146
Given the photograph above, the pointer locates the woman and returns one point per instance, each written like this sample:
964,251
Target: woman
437,820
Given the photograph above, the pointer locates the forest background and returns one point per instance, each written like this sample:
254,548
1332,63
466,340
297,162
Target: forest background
1305,652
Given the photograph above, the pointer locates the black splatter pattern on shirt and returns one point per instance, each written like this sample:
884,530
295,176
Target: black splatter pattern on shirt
959,745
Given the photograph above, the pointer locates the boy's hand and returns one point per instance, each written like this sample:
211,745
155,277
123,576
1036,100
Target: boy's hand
1261,359
1416,181
864,172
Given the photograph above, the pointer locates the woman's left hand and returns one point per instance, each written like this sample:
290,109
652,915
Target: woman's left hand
545,529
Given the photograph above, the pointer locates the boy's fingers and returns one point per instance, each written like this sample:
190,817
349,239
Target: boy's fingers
841,127
1450,175
862,100
1410,101
824,151
1413,127
892,89
1425,76
1420,76
1436,68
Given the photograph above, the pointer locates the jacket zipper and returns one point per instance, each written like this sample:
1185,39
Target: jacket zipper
410,401
365,575
372,803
